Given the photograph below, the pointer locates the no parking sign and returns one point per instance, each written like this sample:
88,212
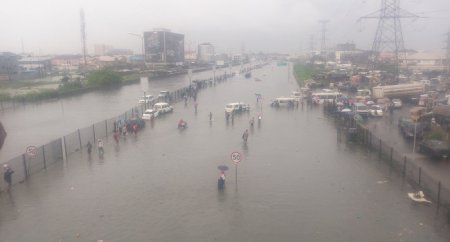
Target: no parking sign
31,151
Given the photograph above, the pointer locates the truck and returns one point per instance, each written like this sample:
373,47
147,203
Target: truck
398,91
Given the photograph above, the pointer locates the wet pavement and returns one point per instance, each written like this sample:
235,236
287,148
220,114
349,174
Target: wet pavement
296,182
387,129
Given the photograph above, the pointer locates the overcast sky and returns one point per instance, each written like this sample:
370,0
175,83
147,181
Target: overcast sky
53,26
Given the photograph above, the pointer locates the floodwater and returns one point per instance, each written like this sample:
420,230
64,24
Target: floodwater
38,124
296,182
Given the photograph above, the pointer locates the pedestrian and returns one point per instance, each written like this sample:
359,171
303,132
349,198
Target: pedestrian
89,147
116,136
252,121
210,116
100,146
135,129
124,130
7,175
195,106
245,136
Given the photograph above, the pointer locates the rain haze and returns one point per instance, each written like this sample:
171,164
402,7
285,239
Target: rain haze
250,120
286,26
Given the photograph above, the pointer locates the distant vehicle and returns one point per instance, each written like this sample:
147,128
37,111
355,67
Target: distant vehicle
407,128
146,99
376,111
150,114
236,107
416,112
361,109
284,101
326,96
296,95
400,90
163,94
397,103
363,94
434,148
162,108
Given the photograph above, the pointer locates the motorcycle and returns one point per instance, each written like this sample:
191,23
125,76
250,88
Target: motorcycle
182,124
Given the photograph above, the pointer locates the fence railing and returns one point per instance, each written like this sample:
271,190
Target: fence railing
403,163
61,148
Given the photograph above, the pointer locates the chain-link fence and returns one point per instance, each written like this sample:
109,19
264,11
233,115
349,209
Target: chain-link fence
55,151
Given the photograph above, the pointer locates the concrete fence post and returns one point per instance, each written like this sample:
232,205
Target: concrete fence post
404,166
24,160
79,139
379,149
43,155
93,132
420,175
439,194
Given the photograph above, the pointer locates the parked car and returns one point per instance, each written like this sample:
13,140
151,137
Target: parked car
236,107
361,109
376,111
150,114
146,99
162,108
407,127
434,148
397,103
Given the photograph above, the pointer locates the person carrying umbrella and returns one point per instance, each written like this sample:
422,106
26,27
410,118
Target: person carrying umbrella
7,175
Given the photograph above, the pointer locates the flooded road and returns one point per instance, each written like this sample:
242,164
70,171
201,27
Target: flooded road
296,182
38,124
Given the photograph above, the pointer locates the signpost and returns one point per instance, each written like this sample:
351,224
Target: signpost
236,158
31,151
144,86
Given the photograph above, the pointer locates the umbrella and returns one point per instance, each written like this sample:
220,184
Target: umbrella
346,110
222,167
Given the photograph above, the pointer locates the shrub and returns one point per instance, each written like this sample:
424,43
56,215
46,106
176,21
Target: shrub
104,78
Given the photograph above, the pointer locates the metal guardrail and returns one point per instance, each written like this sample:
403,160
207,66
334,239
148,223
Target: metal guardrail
61,148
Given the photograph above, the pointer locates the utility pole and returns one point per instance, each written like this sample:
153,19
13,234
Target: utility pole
323,45
389,35
448,54
83,38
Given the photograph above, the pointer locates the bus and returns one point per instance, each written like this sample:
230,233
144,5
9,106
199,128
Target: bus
325,96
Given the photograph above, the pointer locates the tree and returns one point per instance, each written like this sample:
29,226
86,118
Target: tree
104,78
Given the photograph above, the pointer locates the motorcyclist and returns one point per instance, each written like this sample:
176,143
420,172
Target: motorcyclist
182,123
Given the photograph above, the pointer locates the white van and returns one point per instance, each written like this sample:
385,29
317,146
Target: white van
236,107
284,101
162,108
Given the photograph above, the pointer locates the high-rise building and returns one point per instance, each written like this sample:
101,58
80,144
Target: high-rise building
163,47
205,53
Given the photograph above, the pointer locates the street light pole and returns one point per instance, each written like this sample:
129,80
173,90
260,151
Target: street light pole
142,47
415,131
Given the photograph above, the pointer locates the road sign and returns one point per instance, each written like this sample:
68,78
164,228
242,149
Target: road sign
236,157
31,151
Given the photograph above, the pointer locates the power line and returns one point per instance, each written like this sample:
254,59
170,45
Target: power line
389,35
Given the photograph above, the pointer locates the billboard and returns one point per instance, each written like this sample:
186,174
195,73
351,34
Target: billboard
154,46
174,47
163,47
